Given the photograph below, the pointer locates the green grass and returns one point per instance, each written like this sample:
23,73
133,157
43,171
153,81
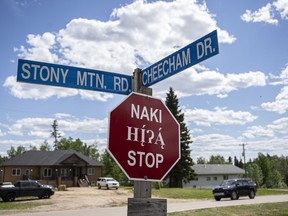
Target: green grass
275,209
21,204
192,193
183,193
176,193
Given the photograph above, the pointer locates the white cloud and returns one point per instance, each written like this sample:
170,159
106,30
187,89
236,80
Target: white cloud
1,133
62,115
213,144
202,81
40,48
282,79
41,127
280,105
258,131
278,126
37,92
264,14
219,116
41,92
282,7
267,13
32,127
120,44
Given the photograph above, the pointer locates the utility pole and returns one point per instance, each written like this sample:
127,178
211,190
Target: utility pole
244,155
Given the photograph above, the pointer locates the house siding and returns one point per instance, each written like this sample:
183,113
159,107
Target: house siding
202,181
59,168
211,175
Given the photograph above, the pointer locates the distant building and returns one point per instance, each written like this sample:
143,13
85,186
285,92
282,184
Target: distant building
66,167
210,175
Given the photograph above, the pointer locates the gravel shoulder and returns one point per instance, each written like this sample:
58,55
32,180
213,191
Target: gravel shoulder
78,198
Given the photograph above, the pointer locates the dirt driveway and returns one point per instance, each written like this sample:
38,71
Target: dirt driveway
77,198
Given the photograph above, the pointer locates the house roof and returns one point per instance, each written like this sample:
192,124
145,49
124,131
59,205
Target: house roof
208,169
47,158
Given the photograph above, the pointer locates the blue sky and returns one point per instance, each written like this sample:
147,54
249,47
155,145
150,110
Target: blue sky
238,96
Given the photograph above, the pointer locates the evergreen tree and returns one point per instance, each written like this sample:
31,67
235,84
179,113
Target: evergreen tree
229,161
55,132
182,171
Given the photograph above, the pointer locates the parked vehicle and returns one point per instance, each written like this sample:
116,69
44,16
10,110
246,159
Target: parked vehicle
26,188
234,188
108,183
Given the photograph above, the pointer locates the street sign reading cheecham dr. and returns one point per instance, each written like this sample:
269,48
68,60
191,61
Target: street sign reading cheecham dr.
144,138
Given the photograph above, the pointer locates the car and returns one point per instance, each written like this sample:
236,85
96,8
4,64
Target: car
234,188
107,182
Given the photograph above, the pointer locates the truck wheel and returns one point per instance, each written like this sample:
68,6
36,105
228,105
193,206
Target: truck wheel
45,195
217,198
234,195
251,194
9,197
107,187
99,187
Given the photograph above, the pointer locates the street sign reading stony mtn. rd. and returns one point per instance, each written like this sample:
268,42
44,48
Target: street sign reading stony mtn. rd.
144,138
72,77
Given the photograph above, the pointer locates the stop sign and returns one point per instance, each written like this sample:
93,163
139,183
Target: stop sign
144,137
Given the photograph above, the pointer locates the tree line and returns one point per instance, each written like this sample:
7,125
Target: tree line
265,170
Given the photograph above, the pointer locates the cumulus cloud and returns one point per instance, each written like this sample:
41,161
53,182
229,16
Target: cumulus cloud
203,81
278,126
120,44
37,92
282,79
267,13
282,7
41,127
219,116
280,105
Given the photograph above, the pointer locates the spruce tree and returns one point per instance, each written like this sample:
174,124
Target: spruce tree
182,171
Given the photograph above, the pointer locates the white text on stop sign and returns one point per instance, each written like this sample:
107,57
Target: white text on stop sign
141,113
149,159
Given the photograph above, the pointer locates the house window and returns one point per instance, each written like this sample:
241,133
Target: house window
208,178
215,178
65,172
225,177
16,172
47,172
91,171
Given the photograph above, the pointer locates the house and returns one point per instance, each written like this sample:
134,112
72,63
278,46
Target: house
60,167
210,175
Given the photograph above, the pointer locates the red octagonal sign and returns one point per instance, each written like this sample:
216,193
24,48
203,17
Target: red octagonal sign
144,138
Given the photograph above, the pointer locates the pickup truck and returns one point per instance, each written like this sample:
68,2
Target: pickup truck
25,188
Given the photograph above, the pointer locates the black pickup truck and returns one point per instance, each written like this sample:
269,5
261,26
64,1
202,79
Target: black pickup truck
8,193
234,188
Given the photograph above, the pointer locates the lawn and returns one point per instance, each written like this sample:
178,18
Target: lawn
275,209
192,193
